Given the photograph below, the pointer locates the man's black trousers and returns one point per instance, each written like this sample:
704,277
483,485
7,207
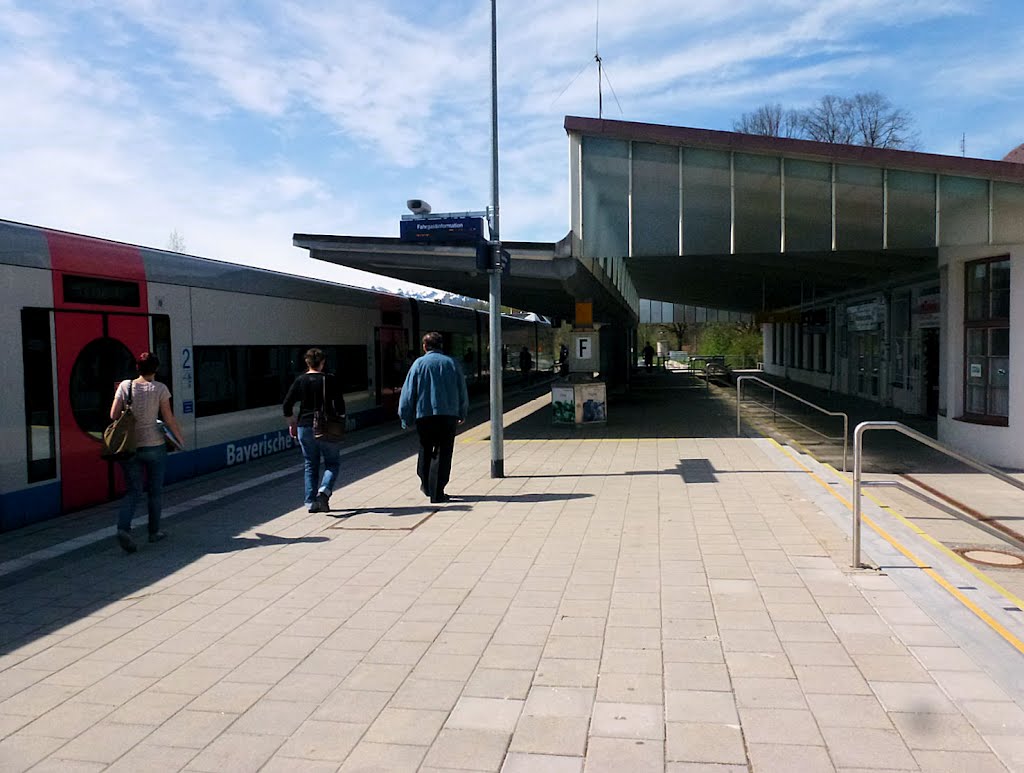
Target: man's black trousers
437,441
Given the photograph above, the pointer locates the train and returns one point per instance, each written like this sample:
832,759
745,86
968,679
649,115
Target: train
230,339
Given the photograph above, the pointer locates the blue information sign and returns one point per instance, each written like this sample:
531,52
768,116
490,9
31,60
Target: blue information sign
442,229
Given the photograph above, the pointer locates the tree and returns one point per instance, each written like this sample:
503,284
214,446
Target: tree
868,119
659,331
176,242
828,121
736,339
877,124
769,121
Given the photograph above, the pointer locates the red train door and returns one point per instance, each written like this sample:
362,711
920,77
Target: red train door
94,352
392,365
101,323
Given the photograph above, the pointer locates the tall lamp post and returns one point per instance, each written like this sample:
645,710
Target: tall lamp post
494,273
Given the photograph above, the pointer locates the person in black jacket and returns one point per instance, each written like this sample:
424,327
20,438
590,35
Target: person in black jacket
316,390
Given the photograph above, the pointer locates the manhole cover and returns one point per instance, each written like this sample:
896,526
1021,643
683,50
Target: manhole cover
993,558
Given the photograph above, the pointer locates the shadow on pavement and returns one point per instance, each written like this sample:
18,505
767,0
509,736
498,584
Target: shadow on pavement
532,498
392,512
264,540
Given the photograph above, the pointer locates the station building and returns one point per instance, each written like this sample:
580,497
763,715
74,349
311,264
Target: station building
892,275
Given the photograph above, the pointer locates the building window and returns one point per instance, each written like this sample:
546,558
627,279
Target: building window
987,341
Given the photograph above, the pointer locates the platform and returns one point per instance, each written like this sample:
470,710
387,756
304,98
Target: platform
650,594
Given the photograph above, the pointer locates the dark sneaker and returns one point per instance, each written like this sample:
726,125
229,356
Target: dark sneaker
323,502
157,536
440,498
313,507
124,539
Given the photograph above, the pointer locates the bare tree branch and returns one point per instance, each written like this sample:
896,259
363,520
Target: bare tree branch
176,242
867,118
769,121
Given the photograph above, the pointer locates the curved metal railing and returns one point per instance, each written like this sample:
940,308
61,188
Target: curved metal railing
858,458
775,411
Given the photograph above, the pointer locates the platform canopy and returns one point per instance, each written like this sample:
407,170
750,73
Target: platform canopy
751,223
722,220
544,277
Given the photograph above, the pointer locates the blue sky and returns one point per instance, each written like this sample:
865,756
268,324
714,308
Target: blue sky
237,123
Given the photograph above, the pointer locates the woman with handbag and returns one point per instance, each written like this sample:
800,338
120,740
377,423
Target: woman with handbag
317,427
148,399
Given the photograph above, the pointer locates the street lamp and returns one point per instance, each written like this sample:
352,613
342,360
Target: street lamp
494,272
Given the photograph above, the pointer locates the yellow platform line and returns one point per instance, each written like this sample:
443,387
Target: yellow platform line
941,581
939,546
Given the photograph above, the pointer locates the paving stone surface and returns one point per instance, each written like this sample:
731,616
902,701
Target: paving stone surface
651,595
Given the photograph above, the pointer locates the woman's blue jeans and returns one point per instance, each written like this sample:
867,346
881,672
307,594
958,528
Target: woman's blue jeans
152,459
312,450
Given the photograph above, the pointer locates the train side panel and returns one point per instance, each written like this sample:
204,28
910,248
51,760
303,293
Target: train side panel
232,327
230,339
29,475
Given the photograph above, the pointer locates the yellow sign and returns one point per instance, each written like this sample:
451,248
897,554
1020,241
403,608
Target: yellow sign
585,313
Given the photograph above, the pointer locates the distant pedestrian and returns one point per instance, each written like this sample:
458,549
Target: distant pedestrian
434,397
316,390
525,363
563,361
149,400
649,356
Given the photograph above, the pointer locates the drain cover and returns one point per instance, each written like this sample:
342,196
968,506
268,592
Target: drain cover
993,558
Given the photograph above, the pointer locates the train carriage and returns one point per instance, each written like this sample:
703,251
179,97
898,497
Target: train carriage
230,339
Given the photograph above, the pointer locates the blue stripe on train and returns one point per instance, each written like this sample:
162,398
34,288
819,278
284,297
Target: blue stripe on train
40,503
29,505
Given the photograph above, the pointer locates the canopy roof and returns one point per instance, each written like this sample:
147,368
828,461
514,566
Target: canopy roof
749,223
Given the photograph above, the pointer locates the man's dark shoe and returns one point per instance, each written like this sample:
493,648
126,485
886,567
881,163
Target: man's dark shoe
323,503
313,507
440,498
157,536
124,539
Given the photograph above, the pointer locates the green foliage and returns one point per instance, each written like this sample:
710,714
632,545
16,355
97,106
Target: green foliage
738,340
675,334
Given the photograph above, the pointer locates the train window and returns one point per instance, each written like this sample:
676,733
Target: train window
105,292
236,378
265,367
216,373
350,364
162,349
37,366
101,364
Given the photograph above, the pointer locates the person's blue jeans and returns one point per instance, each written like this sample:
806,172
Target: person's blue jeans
151,461
312,450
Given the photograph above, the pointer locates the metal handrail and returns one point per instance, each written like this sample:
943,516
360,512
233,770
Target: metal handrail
858,458
739,400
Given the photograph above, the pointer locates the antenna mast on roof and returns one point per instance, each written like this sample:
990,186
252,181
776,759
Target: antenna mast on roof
597,58
963,144
602,76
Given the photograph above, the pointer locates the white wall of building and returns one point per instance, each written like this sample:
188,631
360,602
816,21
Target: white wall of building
1002,446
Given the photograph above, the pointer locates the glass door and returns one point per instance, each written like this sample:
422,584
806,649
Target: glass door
866,350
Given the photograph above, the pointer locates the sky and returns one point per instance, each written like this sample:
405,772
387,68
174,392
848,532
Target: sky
235,124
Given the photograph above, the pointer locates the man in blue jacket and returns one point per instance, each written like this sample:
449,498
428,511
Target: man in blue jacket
434,397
